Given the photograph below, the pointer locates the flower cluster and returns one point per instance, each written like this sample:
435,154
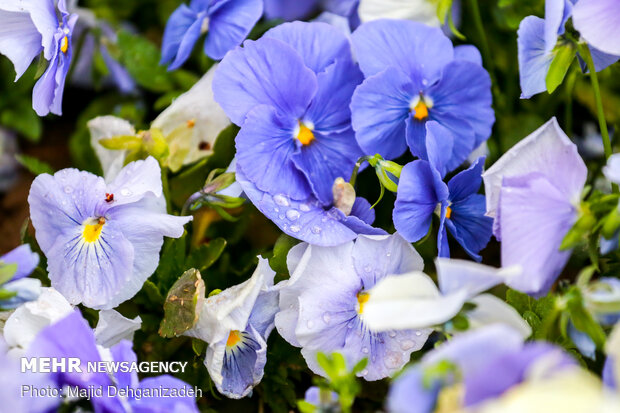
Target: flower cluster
232,233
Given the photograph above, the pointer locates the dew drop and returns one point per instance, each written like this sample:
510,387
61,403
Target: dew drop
367,268
281,200
281,216
392,334
295,228
310,324
406,345
418,333
316,229
304,207
327,318
126,192
292,214
365,350
364,372
68,189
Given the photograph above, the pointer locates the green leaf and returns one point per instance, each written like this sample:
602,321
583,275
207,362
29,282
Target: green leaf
583,320
204,256
198,346
564,55
34,165
283,245
20,117
152,292
7,271
6,294
141,59
183,304
305,407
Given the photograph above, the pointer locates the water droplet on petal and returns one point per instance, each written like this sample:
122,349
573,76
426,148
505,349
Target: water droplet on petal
292,214
364,372
295,228
365,350
126,192
316,229
281,200
304,207
367,268
327,318
392,334
418,333
68,189
310,324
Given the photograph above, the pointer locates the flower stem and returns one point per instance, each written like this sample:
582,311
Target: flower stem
484,44
585,54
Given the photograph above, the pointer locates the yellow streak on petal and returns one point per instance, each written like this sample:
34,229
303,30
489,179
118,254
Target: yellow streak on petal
448,212
64,44
362,298
421,110
305,135
92,232
233,338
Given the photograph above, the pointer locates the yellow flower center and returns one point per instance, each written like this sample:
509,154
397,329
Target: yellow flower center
92,232
448,212
64,44
305,134
362,298
421,110
233,338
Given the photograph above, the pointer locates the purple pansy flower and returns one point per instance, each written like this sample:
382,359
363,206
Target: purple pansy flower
487,362
227,21
598,21
52,342
415,75
102,240
236,323
421,193
537,40
291,100
322,304
29,28
15,265
533,193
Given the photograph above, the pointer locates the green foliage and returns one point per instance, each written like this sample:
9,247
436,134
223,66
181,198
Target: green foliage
340,379
34,165
183,304
564,55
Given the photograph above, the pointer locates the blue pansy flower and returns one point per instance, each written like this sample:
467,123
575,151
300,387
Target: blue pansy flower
322,304
15,265
299,10
52,342
422,193
322,400
227,22
533,192
29,28
537,40
102,240
236,323
291,100
415,75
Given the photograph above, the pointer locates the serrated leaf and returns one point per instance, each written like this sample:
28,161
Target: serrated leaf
183,304
34,165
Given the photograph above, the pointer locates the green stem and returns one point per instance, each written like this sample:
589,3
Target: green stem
585,54
484,44
356,169
568,107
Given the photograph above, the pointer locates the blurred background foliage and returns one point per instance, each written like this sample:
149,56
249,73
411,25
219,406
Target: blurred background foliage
225,252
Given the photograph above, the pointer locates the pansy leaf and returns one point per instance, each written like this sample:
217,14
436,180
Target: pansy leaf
204,256
564,56
7,271
283,245
183,304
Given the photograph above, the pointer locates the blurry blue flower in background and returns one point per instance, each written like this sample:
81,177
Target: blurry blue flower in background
291,100
421,193
15,265
298,10
414,75
102,240
29,28
226,22
322,304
